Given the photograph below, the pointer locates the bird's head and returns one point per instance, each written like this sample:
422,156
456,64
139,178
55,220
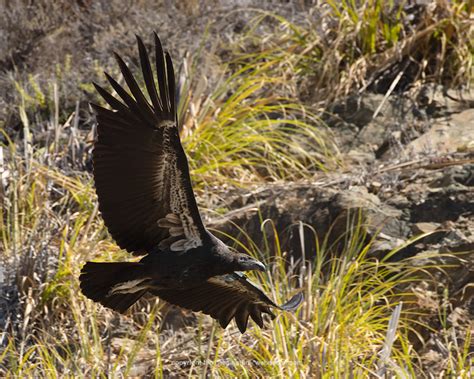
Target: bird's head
236,261
244,262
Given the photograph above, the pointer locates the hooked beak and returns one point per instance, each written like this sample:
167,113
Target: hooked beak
256,265
245,262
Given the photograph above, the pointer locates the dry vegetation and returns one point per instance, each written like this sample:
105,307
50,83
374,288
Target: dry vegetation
253,86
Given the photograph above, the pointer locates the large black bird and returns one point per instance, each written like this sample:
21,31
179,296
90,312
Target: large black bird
146,199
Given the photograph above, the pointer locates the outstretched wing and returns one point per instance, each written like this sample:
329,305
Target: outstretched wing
226,297
140,169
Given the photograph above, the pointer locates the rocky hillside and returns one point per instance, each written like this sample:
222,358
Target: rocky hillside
334,141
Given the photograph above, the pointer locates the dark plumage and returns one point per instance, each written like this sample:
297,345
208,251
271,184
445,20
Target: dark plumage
146,199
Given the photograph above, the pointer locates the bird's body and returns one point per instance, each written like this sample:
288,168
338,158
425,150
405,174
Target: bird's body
168,269
145,196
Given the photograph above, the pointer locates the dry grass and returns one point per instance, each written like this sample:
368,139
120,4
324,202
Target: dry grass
353,47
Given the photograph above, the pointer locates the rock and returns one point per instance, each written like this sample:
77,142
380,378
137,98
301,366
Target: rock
455,133
440,206
436,121
424,227
358,110
326,210
457,177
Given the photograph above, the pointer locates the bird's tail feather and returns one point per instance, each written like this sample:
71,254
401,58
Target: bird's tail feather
115,285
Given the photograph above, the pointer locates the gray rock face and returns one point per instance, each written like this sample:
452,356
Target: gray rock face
447,135
419,206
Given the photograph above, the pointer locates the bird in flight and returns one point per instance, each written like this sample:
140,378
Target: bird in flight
146,199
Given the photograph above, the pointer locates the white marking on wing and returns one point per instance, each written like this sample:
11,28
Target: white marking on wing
168,160
178,245
176,231
130,286
179,222
173,218
160,181
166,124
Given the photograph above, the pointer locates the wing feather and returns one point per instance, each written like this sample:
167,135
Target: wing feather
160,68
242,317
141,172
132,84
148,75
112,101
172,83
226,297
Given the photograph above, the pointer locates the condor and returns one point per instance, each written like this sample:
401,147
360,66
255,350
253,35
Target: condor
146,199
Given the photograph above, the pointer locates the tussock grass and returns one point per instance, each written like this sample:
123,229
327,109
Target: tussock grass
350,47
242,131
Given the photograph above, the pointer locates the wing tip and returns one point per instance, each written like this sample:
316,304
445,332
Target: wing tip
117,56
109,78
97,86
293,304
123,66
157,39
